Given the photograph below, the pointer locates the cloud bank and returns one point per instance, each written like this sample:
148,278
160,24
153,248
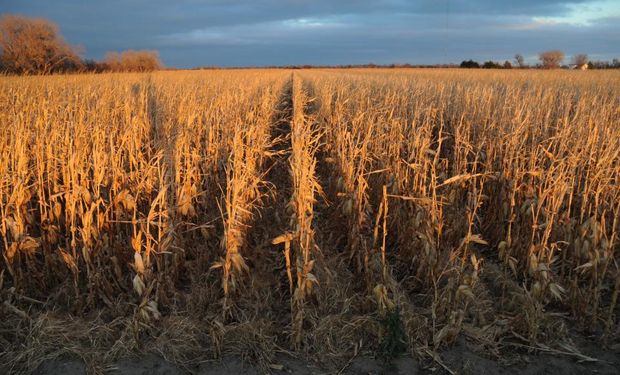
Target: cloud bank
268,32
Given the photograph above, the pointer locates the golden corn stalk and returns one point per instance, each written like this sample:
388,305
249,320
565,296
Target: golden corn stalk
448,197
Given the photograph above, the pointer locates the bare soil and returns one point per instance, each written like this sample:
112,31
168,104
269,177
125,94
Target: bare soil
458,360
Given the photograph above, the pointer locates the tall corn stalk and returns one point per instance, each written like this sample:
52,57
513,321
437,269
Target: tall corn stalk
299,243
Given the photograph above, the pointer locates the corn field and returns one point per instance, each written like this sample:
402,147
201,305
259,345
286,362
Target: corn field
250,211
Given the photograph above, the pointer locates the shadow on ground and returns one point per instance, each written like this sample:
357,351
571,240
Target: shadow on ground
458,359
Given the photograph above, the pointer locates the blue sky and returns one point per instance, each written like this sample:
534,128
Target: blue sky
190,33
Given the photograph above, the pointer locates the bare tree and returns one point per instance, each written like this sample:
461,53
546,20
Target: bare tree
133,61
551,59
520,60
580,59
34,45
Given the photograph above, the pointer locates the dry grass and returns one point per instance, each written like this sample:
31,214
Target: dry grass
475,204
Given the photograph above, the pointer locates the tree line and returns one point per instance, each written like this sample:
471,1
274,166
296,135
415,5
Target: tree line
547,60
36,46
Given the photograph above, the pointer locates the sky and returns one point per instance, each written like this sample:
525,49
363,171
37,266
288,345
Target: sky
191,33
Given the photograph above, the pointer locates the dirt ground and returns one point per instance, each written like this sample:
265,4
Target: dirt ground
458,360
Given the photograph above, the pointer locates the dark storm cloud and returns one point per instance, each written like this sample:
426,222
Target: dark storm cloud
270,32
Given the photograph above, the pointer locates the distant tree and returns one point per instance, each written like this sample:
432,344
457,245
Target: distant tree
89,65
491,65
520,60
507,65
580,60
34,46
469,64
133,61
551,59
604,64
